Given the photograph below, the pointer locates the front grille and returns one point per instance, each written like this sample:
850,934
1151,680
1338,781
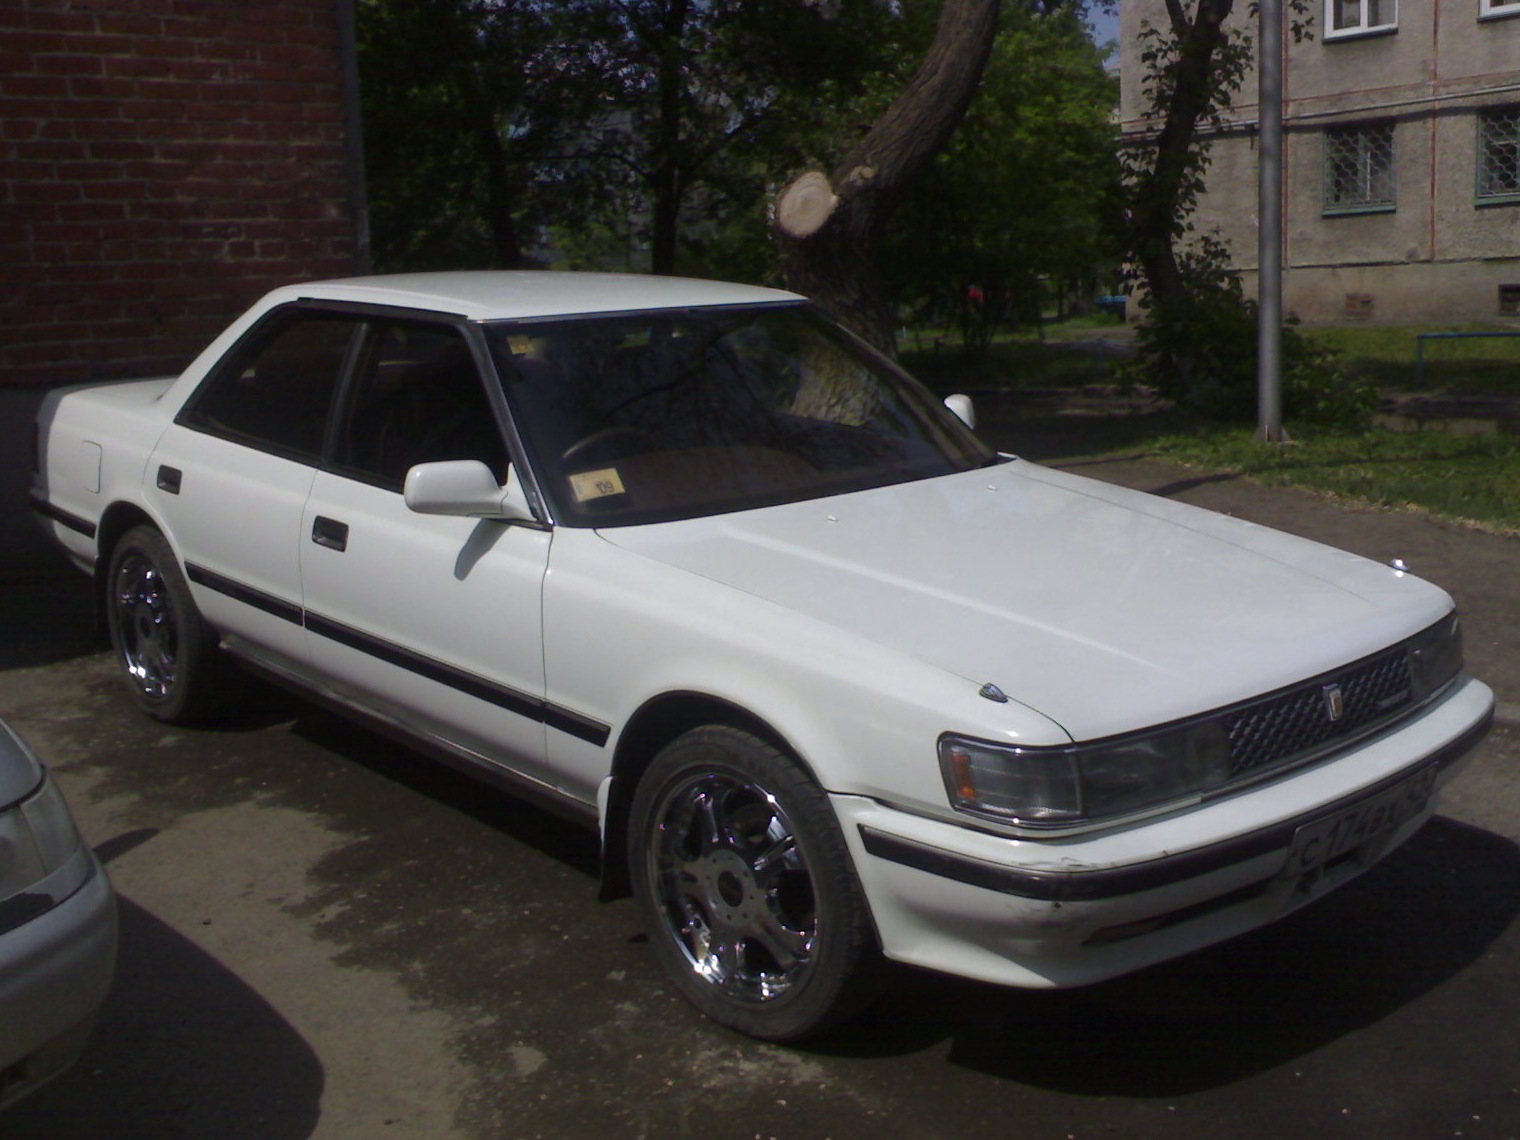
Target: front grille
1287,725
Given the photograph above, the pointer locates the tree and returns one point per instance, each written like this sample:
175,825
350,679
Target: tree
462,101
1198,344
1193,68
699,100
1024,191
828,227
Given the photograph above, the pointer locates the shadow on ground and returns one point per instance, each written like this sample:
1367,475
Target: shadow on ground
1346,962
47,619
183,1048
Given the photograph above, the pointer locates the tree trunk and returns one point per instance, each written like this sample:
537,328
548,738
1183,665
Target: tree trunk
827,226
1154,217
665,179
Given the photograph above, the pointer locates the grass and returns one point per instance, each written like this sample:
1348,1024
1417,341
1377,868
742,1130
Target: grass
1487,366
1070,354
1466,478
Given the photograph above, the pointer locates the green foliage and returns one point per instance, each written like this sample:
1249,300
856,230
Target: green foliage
1162,186
1016,208
1386,356
463,103
700,105
638,134
1200,352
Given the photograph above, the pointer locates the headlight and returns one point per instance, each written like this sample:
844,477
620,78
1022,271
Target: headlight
1435,657
36,838
1049,788
1055,786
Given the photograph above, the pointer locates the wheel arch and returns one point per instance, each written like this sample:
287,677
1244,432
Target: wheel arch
655,724
116,520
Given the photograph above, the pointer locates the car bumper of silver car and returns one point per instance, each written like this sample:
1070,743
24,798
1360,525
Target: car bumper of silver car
55,970
1048,913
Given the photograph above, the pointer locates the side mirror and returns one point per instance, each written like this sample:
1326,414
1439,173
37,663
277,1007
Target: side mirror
961,405
465,487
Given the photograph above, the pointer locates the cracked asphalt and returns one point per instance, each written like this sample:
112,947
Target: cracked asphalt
324,935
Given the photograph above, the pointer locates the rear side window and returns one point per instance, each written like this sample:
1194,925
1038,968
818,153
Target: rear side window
275,389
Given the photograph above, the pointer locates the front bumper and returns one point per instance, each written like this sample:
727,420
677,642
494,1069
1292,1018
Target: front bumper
55,971
1068,912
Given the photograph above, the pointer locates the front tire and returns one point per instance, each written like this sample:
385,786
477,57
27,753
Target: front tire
168,655
747,889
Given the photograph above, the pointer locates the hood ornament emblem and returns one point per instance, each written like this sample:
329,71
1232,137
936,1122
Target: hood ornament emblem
1335,701
993,693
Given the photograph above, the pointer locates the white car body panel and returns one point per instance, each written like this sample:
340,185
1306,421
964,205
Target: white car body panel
423,583
1017,556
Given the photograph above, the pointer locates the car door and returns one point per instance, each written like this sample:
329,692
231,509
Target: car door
431,621
230,476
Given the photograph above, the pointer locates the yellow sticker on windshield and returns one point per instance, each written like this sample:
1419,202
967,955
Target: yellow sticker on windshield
596,484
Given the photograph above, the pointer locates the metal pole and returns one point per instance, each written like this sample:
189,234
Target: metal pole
1269,234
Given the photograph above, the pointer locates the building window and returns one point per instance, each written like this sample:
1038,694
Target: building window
1359,169
1499,155
1358,17
1497,8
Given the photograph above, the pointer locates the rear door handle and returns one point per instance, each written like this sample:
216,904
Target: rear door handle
330,533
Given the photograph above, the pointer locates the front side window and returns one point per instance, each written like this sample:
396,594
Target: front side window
650,417
1359,169
1357,17
1499,155
416,397
275,388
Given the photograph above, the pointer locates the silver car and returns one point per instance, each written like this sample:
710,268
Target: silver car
57,926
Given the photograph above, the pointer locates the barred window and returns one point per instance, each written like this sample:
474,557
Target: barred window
1352,17
1499,155
1359,174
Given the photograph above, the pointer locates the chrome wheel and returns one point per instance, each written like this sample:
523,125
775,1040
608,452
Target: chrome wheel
169,656
747,888
733,888
143,621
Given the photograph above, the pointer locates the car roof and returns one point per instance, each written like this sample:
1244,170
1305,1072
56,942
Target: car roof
486,295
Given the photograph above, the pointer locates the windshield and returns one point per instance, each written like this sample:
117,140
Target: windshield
649,417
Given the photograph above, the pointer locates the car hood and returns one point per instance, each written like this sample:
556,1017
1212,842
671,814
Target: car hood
1104,609
20,772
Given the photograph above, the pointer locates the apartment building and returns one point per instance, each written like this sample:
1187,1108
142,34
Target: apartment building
1401,184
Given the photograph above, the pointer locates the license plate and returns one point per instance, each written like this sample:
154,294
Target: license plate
1315,844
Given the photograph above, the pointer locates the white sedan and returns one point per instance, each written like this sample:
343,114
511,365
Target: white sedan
835,681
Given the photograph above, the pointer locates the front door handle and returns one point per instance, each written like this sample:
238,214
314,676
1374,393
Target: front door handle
330,533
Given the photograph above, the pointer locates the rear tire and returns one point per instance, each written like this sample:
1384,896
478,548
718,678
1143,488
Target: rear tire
747,889
168,655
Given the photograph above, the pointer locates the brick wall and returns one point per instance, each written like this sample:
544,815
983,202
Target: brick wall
162,163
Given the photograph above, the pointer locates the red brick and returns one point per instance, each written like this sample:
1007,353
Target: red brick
124,150
52,149
87,171
36,87
134,24
60,20
45,192
68,64
100,87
